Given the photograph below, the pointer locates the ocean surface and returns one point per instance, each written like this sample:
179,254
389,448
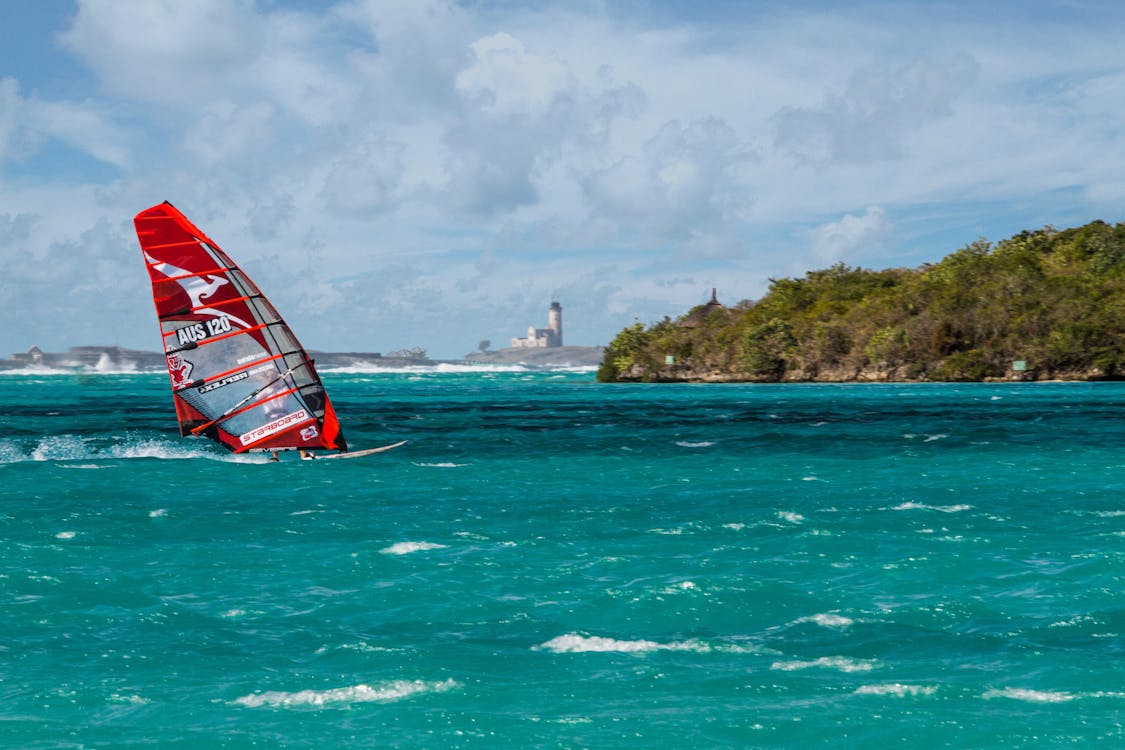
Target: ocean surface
555,563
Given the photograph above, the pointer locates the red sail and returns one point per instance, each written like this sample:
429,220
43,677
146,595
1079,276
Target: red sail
238,374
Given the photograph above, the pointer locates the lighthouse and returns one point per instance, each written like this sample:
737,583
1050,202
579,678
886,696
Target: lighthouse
554,322
544,338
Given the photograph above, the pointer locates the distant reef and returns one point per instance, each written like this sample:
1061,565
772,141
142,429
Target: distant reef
556,356
120,359
1044,305
104,358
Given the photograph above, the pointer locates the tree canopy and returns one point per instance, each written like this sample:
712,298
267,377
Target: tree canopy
1043,304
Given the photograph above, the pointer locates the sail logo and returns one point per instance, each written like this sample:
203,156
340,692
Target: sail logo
204,329
225,381
309,432
198,289
179,369
270,428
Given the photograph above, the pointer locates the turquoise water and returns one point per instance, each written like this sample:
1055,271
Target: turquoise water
560,564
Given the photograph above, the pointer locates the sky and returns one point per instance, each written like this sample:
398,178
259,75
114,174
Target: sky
431,173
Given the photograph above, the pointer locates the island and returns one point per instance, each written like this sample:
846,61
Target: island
1043,305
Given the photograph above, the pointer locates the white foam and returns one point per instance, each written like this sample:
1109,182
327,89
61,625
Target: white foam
896,689
440,465
157,449
60,448
572,643
443,368
840,663
66,535
932,438
791,517
405,548
158,513
135,700
690,444
381,693
829,620
941,508
1029,696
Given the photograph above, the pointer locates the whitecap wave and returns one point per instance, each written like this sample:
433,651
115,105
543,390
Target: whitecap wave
694,444
61,448
1030,696
405,548
573,643
839,663
909,505
381,693
135,700
440,465
828,620
791,517
896,689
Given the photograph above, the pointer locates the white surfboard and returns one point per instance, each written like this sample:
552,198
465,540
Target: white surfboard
357,454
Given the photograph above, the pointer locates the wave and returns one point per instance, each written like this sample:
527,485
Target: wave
446,368
101,368
695,444
942,508
1030,696
828,620
382,693
405,548
573,643
896,689
839,663
68,447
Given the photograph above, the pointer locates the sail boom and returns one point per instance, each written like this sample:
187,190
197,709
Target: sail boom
236,412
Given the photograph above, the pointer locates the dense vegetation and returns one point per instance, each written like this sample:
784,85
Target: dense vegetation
1052,299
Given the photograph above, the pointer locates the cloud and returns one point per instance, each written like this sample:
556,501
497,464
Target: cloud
681,183
364,181
852,235
878,111
165,51
28,125
520,113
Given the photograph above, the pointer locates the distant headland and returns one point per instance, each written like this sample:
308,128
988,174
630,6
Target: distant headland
1043,305
121,359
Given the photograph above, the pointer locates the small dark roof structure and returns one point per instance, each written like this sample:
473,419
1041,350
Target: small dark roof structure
698,314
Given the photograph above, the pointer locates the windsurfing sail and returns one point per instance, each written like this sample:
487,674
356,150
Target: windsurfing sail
238,374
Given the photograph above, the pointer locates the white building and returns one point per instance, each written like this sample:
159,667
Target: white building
544,338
